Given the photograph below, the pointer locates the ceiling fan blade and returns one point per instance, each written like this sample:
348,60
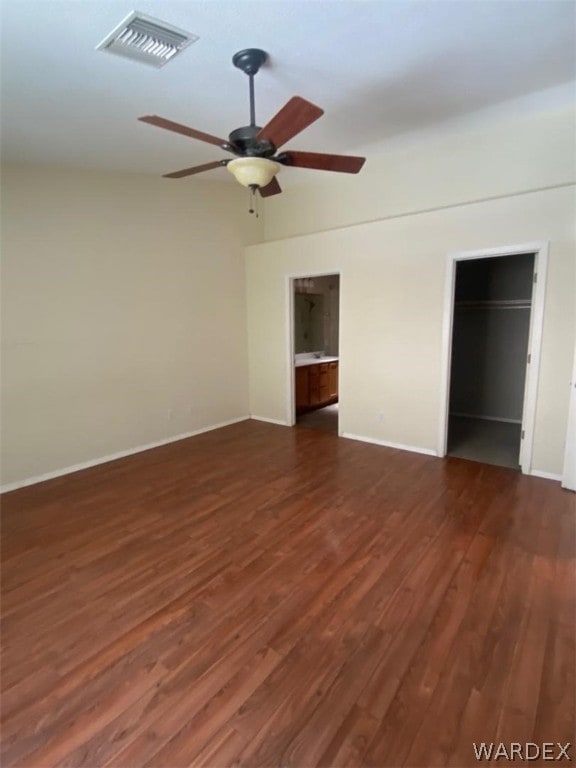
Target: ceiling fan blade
161,122
273,188
322,162
294,116
195,169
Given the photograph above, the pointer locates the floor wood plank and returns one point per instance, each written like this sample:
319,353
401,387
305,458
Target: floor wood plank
260,596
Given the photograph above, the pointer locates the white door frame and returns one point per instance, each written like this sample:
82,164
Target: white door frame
569,470
290,405
540,249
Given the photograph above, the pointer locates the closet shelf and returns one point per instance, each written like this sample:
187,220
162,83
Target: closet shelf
495,304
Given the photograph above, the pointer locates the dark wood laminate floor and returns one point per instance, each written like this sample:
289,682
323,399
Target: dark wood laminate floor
262,596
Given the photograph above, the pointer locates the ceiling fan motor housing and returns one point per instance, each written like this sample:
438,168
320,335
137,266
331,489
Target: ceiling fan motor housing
243,142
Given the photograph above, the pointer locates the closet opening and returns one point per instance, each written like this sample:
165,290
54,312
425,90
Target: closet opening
490,356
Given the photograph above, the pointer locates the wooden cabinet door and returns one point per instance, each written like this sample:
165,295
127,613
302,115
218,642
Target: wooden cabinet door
302,387
314,385
333,380
323,382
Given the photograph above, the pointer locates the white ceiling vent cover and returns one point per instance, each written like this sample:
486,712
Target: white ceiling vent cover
145,39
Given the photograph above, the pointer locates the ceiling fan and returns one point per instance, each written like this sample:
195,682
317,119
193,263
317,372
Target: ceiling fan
257,162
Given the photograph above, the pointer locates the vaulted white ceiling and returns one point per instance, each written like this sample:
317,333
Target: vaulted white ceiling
379,68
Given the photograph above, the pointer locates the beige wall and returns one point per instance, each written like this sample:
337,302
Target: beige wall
393,273
123,313
124,304
495,157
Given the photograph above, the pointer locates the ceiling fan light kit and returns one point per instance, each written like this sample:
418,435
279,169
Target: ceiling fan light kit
253,171
257,162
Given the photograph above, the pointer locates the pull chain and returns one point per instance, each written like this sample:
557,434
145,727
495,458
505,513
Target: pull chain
253,204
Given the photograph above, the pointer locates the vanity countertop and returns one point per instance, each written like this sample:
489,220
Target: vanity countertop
299,363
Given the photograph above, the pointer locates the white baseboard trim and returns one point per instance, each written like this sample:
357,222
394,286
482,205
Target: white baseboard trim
113,456
487,418
546,475
388,444
280,422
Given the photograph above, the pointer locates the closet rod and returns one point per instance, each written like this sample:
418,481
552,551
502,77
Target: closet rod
495,304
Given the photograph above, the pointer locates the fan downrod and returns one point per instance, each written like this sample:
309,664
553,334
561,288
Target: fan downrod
249,60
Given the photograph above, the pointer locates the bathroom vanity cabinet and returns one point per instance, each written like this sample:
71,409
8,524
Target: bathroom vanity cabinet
316,385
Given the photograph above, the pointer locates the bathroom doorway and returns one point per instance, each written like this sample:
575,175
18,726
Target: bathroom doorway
315,355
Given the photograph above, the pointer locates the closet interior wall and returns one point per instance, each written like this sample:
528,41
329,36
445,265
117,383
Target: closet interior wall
490,341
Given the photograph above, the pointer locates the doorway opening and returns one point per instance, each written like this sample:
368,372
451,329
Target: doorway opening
316,351
491,356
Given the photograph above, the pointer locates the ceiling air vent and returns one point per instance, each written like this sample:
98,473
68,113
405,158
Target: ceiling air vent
145,39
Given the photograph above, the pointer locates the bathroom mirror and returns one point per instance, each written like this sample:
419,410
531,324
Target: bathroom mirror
308,322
